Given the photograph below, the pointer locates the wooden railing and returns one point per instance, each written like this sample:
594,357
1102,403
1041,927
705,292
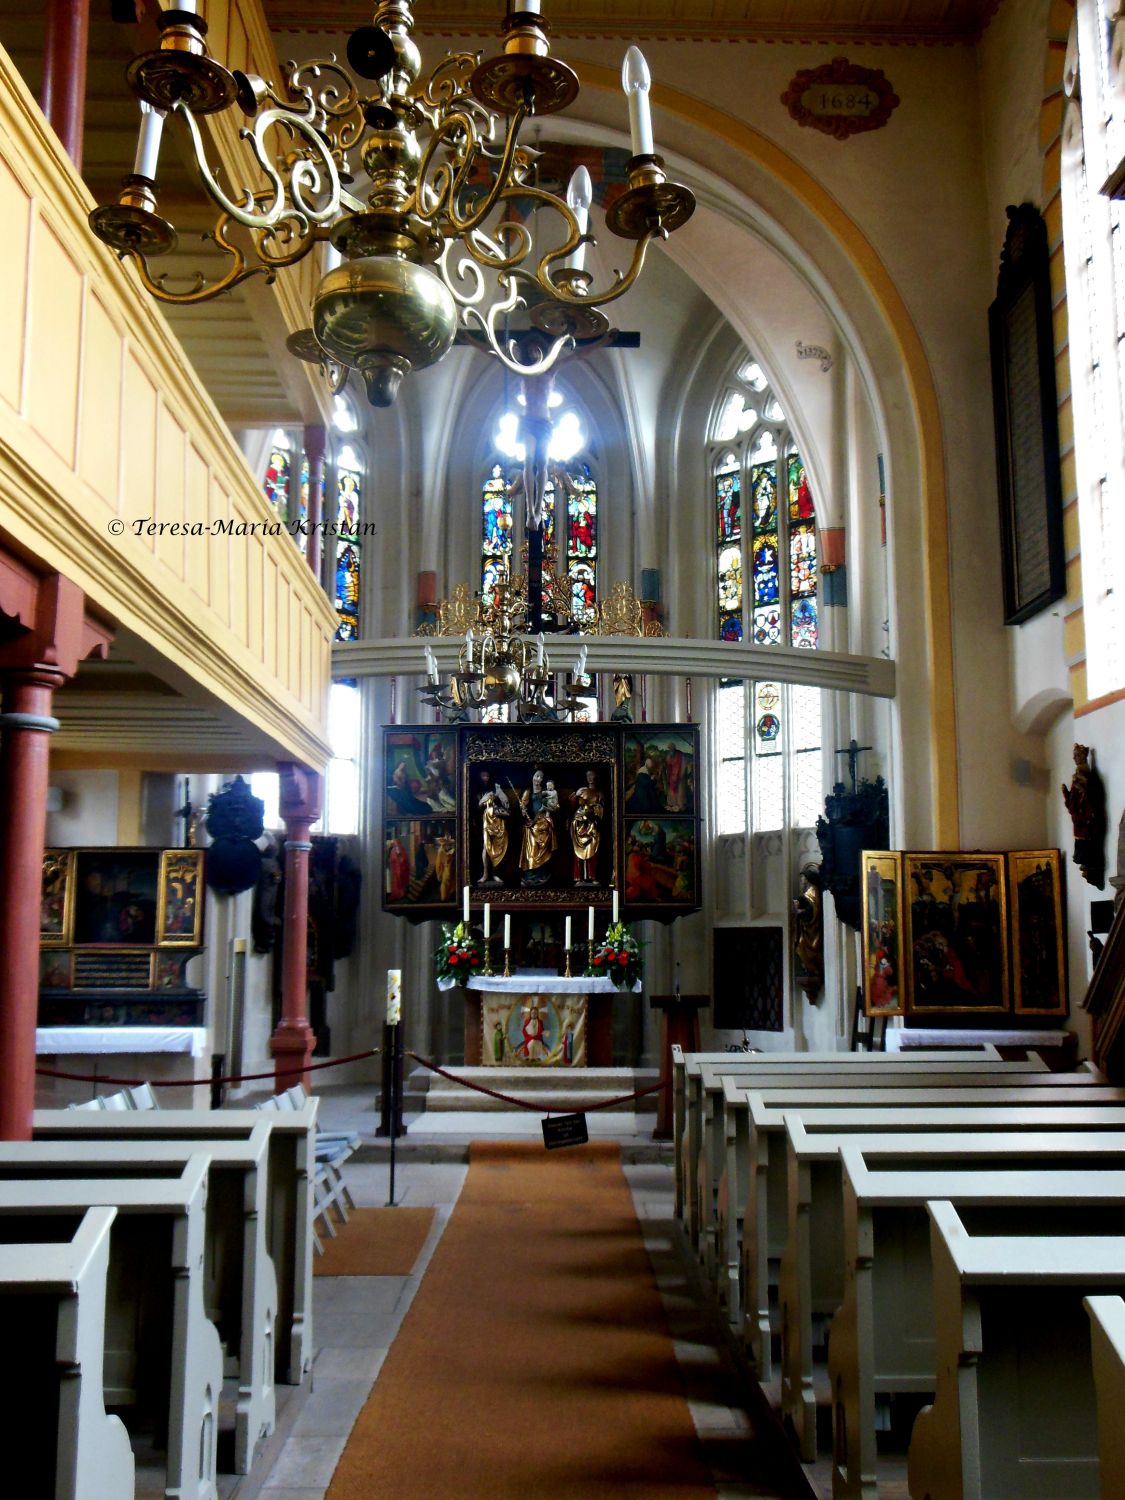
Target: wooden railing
117,471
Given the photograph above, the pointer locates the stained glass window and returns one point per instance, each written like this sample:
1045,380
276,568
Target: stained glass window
349,553
774,560
276,482
496,535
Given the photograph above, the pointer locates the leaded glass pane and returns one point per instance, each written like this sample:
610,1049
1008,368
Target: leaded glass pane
767,626
582,520
276,482
583,593
804,708
728,506
348,497
766,581
751,373
731,741
732,720
496,507
802,559
805,631
495,571
767,736
735,417
769,792
730,579
341,802
808,797
731,807
303,502
763,489
801,507
548,516
347,591
730,628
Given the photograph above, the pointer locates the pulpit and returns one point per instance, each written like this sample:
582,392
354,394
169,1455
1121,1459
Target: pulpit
680,1027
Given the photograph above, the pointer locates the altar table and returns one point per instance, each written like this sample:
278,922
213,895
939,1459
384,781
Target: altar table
588,999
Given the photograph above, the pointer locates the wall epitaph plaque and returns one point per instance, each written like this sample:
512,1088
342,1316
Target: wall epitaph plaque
1025,408
840,98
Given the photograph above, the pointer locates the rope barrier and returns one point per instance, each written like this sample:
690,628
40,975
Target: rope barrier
199,1083
467,1083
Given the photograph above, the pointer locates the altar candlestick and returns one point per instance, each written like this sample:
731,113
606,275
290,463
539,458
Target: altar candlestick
615,908
507,930
487,921
567,940
465,905
394,996
590,924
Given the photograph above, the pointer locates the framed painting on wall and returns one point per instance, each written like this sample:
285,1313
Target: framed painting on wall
56,911
179,910
883,989
1038,933
658,769
956,932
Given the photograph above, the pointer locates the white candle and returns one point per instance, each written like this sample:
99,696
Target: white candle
507,930
539,649
590,923
636,81
465,905
567,942
469,647
580,668
431,665
615,915
579,196
148,142
487,919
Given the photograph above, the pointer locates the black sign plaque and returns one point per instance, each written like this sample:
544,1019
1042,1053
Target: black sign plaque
564,1130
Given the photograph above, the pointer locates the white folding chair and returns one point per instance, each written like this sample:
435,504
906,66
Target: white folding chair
116,1101
88,1104
141,1096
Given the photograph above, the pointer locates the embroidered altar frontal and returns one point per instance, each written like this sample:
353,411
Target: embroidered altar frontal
534,1030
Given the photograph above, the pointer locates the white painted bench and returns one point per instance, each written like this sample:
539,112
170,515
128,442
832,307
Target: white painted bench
815,1260
162,1353
882,1341
1013,1416
765,1226
1107,1341
292,1152
685,1072
723,1164
52,1303
240,1287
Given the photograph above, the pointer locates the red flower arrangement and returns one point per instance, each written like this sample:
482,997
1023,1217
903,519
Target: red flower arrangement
459,955
618,957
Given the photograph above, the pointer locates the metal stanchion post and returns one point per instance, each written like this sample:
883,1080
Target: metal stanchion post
394,1078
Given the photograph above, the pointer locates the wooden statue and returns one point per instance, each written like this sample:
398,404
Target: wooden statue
586,826
808,931
1085,802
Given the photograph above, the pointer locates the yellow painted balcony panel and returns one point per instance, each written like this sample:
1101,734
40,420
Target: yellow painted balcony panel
117,470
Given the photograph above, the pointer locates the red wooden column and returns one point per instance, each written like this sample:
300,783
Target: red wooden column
315,442
292,1043
44,634
63,92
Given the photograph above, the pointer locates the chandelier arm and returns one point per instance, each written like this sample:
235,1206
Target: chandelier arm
448,83
336,106
449,178
621,283
305,172
203,291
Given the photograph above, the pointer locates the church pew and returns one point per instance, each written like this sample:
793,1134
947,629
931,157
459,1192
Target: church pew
765,1225
690,1105
882,1336
1107,1341
814,1263
685,1072
52,1303
289,1228
1014,1405
162,1352
724,1138
240,1287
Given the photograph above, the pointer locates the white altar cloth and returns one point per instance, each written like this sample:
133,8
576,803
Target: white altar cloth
538,982
60,1040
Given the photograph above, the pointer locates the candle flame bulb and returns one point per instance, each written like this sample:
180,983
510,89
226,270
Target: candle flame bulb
636,80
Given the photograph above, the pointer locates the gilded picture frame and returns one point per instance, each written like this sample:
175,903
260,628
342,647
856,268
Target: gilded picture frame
56,910
1038,933
956,923
179,899
884,981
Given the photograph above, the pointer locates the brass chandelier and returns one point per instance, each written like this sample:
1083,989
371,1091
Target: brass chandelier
441,247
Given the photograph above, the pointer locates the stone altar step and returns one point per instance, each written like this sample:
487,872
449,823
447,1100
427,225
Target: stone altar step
549,1088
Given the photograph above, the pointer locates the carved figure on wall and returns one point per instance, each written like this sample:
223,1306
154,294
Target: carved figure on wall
622,696
1118,881
445,861
808,932
234,821
265,920
1085,802
495,810
537,805
586,826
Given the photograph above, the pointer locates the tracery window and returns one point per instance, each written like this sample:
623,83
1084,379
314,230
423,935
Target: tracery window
766,573
1094,251
570,518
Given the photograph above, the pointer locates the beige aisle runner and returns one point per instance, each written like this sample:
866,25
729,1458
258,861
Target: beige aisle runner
375,1242
534,1362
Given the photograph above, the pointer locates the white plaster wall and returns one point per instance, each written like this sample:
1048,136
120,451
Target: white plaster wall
89,809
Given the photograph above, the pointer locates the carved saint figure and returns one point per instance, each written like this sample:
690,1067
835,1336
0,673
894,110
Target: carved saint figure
445,867
537,805
622,694
495,809
586,826
808,932
1085,802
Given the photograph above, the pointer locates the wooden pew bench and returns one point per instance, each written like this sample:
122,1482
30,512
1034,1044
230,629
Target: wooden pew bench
816,1257
289,1226
163,1361
240,1286
53,1303
1107,1338
723,1166
882,1340
765,1223
1013,1416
